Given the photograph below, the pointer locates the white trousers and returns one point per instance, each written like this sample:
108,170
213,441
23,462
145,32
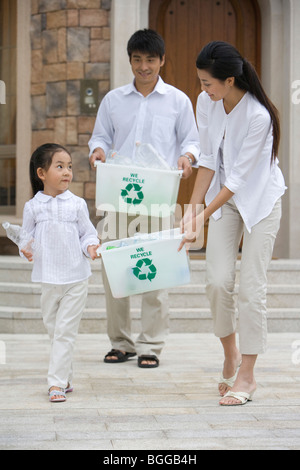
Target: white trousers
224,237
62,308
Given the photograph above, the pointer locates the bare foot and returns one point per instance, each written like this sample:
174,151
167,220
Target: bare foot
147,362
114,358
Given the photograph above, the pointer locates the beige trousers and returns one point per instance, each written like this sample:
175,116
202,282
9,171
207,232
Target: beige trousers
62,308
224,237
154,307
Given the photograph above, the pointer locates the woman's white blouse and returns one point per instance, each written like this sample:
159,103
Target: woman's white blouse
62,230
249,174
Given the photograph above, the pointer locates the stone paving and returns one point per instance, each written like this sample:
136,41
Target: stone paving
121,407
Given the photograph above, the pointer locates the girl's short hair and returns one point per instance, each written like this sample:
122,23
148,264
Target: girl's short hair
42,158
146,41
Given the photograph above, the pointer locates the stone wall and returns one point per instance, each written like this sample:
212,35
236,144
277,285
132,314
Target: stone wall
70,41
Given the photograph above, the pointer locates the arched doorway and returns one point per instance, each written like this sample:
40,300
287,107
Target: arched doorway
186,26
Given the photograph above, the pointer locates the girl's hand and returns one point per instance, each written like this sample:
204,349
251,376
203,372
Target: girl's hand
92,250
28,254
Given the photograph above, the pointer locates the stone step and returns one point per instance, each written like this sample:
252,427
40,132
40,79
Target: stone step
188,320
16,269
189,308
191,295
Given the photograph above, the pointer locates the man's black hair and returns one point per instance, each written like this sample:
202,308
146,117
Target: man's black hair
146,41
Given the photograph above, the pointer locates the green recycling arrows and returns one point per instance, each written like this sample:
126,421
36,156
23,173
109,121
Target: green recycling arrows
132,194
139,269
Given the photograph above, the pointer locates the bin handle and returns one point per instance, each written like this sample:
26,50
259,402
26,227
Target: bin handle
97,162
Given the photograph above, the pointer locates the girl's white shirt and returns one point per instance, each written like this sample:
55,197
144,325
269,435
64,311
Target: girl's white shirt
62,230
256,183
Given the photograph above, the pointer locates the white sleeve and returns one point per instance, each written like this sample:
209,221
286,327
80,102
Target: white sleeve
87,232
206,158
103,132
187,132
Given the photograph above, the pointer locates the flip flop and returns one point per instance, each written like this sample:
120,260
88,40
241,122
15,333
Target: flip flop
121,357
146,357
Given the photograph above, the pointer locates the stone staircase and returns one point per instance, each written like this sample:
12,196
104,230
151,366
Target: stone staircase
189,310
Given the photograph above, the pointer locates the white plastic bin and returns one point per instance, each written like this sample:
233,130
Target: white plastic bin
147,262
136,190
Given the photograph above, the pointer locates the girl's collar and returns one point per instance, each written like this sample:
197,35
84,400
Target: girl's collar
45,197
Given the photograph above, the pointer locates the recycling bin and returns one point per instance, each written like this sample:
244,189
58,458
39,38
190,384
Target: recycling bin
145,263
136,190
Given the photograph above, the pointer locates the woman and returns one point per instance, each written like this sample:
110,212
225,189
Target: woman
242,185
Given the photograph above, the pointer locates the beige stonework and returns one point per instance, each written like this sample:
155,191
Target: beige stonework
91,18
89,190
100,50
75,70
56,19
72,18
70,42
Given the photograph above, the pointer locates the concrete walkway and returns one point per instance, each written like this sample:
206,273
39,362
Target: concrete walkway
122,407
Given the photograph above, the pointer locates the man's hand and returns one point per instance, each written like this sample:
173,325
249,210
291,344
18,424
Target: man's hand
98,154
185,165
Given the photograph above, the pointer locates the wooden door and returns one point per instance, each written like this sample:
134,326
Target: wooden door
186,26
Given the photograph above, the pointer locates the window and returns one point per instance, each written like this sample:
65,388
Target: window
8,49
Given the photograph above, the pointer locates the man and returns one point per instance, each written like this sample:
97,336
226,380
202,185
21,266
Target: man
145,111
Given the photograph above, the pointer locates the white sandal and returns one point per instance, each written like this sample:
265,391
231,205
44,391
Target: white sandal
69,388
243,397
229,382
57,393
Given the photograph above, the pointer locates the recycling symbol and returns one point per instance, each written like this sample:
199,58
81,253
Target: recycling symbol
144,269
132,194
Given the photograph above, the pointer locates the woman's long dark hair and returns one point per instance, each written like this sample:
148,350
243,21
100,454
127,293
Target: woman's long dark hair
222,61
42,158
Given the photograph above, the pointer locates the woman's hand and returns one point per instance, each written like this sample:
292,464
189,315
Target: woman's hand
191,226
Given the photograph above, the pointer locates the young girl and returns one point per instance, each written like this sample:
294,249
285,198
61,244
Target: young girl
242,185
60,225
